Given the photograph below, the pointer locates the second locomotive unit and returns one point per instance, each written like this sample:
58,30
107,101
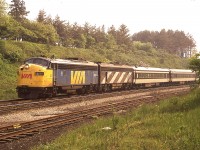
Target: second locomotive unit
44,77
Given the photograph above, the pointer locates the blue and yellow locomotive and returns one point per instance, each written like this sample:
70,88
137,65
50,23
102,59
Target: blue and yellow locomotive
39,77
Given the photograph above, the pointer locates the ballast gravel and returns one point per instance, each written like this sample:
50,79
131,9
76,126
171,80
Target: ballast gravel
40,113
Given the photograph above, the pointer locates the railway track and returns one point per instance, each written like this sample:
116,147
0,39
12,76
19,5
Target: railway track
11,101
17,105
16,131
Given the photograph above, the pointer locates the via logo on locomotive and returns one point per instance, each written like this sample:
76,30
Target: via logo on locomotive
26,76
77,77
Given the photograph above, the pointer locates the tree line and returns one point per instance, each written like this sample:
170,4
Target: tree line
53,31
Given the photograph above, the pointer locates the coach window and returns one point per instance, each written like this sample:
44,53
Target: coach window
137,75
150,75
155,75
146,75
174,75
140,75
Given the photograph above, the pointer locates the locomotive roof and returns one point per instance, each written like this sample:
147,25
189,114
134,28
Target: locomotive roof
72,62
66,61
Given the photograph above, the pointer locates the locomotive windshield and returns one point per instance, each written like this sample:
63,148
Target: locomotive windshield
37,61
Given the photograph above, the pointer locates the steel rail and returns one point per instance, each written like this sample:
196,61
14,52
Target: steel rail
61,101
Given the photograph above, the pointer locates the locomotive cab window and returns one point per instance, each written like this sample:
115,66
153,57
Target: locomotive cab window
38,61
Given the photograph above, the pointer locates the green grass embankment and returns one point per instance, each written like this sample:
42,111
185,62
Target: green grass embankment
170,124
8,76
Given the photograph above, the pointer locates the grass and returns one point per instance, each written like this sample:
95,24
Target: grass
8,76
173,124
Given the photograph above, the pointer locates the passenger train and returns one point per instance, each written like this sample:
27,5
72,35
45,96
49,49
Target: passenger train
45,77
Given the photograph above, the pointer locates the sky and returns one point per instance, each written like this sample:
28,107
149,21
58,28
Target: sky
137,15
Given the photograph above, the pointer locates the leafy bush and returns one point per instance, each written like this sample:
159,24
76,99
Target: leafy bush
143,46
2,47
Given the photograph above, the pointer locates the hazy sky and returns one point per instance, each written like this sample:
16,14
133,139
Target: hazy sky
137,15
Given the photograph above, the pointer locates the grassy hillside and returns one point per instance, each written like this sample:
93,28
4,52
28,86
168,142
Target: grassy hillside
13,53
8,76
18,51
171,124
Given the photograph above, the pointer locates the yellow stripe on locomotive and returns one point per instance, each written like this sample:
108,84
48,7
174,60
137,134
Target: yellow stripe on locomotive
32,75
77,77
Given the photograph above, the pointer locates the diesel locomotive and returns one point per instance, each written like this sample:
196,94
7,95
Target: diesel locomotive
45,77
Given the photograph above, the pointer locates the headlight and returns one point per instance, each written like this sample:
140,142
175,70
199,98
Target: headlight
26,66
39,73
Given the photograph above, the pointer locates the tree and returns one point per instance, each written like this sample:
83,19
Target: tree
194,64
123,36
112,31
176,42
41,16
60,28
81,41
90,41
49,20
110,42
41,33
10,28
2,47
143,36
2,7
18,10
100,35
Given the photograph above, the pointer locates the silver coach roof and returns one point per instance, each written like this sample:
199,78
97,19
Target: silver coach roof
181,70
151,69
